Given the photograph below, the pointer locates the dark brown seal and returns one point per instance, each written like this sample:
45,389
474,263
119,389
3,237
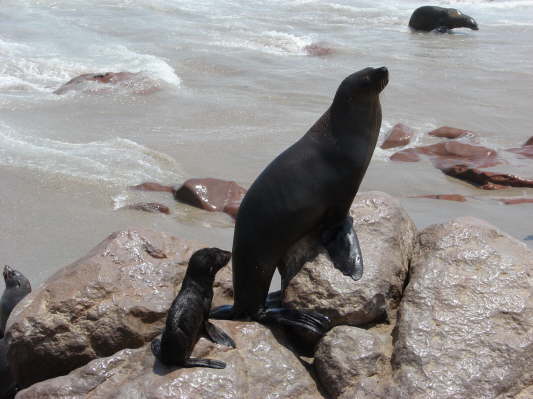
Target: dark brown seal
429,18
17,287
188,315
308,188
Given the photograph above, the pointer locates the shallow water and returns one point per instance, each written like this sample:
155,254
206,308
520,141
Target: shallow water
234,88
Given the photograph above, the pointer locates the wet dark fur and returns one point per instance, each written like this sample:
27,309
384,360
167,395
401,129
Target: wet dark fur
428,18
187,318
17,287
308,187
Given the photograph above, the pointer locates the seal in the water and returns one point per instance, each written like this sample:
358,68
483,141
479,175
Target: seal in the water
187,317
308,188
17,287
428,18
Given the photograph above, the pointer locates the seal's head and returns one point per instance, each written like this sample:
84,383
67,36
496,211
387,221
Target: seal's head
206,262
456,19
15,279
368,82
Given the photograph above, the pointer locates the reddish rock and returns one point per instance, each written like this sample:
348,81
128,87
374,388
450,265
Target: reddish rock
137,82
486,180
152,186
515,201
526,151
451,132
529,142
318,50
446,155
211,194
398,136
408,155
152,207
447,197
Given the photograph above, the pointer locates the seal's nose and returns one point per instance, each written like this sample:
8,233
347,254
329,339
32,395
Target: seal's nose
473,24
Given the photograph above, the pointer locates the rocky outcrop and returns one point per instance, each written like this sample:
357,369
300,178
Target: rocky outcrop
446,197
318,50
398,136
115,297
150,207
464,328
451,133
211,194
94,83
346,356
449,154
260,367
486,180
386,235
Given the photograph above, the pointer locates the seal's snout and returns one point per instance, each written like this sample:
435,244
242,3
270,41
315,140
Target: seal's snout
225,256
473,24
382,76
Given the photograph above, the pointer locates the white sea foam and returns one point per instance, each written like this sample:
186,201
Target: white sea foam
273,42
113,161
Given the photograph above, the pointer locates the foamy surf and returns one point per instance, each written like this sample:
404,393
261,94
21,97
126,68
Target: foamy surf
116,161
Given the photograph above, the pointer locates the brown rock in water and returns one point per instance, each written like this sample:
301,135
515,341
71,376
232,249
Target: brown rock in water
448,154
318,50
152,186
211,194
398,136
464,326
115,297
347,355
451,132
447,197
152,207
515,201
139,83
528,142
260,367
386,235
486,180
407,155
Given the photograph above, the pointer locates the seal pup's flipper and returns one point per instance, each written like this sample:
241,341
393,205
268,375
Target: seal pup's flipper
307,319
343,247
210,363
218,336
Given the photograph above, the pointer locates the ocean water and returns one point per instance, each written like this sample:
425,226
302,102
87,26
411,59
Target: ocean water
221,88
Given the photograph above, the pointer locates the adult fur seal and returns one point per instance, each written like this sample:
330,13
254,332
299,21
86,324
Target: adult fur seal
17,287
187,317
309,187
428,18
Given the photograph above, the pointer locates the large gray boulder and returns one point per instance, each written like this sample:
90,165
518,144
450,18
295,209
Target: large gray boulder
465,327
260,367
348,355
387,235
115,297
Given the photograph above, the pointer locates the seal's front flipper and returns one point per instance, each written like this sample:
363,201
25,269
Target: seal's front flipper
343,248
307,319
224,312
210,363
218,336
156,347
442,29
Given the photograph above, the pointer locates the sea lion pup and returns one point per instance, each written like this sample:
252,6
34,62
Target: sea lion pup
428,18
309,187
187,317
17,287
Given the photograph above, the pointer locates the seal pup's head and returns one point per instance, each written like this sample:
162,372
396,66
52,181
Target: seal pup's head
459,20
15,279
206,262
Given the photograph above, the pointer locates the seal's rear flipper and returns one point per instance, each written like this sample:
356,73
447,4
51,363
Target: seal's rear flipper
156,347
343,247
210,363
307,319
274,299
218,336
